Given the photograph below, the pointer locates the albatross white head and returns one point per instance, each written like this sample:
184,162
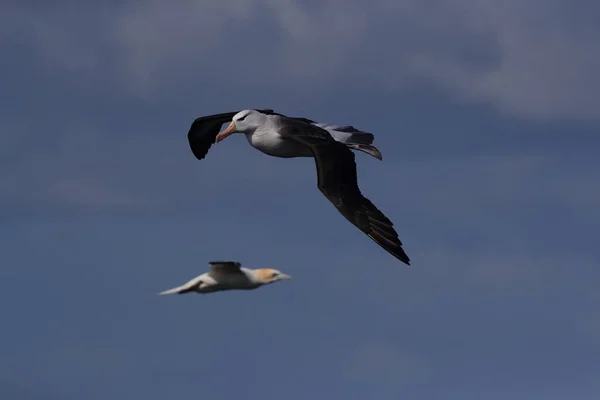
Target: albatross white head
246,121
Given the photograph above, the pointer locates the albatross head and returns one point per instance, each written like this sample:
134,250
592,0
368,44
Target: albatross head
246,121
265,276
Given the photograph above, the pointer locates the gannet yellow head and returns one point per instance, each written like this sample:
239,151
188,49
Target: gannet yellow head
267,275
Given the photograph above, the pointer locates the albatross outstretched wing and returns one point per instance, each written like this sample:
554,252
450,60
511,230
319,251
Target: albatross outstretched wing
337,180
204,130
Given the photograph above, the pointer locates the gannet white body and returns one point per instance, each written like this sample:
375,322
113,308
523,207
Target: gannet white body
228,275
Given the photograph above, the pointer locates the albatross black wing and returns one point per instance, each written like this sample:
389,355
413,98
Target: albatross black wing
204,130
337,180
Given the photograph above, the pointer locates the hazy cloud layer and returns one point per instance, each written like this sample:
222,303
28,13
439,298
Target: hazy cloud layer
536,60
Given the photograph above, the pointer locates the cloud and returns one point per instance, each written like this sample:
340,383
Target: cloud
546,60
534,60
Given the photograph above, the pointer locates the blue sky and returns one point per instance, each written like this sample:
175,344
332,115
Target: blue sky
487,114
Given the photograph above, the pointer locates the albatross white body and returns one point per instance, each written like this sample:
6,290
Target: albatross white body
262,134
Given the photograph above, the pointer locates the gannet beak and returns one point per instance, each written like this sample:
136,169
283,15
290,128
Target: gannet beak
230,129
284,276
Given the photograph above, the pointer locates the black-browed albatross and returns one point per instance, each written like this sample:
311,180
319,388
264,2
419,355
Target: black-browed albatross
204,130
280,136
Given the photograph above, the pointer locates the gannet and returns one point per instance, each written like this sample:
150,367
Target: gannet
229,275
276,135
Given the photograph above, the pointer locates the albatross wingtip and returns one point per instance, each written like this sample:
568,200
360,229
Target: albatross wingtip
402,256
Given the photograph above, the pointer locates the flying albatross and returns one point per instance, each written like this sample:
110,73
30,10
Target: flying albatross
280,136
204,130
229,275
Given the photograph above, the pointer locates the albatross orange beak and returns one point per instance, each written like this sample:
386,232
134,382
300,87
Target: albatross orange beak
230,129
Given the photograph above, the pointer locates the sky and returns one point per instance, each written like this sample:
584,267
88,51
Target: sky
488,117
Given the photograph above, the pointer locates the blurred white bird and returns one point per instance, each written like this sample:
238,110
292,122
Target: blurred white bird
229,275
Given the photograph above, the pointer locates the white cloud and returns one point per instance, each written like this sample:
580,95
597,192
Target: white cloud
549,59
537,59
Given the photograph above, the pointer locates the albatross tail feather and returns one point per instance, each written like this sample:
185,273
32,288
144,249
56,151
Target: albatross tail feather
348,134
356,136
366,148
354,139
